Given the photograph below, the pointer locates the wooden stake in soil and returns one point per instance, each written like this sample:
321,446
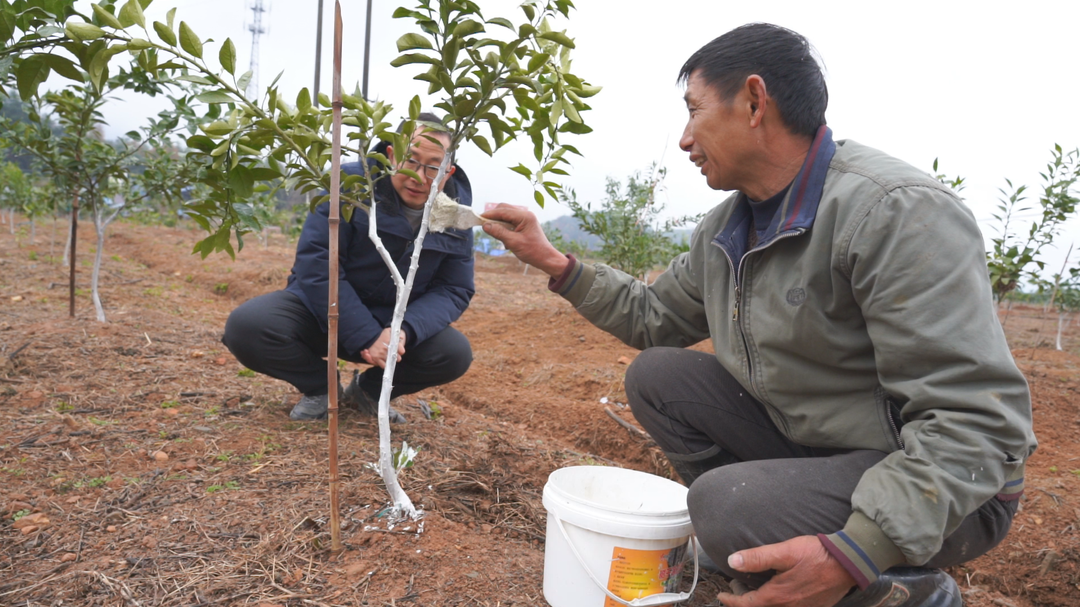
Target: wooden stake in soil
332,312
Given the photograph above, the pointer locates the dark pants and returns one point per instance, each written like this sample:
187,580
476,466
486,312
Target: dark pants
778,490
275,334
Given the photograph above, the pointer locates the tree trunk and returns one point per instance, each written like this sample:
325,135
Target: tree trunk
1061,329
72,241
33,231
100,223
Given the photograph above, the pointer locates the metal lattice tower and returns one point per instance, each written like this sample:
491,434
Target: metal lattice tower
256,30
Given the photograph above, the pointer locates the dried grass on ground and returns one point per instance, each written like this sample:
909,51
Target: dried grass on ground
157,474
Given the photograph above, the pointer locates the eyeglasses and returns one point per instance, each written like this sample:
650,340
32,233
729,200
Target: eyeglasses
431,172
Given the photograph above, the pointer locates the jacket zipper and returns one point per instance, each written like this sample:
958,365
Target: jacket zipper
892,424
735,275
738,294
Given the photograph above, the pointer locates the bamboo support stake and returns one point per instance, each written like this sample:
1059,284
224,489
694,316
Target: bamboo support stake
332,312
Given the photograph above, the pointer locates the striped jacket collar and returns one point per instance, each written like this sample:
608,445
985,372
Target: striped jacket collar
795,215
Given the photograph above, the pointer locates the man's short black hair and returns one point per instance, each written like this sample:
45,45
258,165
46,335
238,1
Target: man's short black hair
784,60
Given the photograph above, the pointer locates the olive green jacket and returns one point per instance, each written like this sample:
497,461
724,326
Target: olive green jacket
863,319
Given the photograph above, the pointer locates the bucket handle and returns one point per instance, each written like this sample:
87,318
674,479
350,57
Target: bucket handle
649,601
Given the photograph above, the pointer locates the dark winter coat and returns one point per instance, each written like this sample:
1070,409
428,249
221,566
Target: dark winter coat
366,292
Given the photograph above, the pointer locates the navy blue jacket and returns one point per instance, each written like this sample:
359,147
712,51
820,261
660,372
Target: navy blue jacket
366,293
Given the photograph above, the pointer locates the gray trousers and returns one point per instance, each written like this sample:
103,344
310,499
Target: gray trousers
695,409
276,335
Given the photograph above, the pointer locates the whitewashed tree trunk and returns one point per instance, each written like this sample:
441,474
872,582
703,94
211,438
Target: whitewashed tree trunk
1061,329
402,504
102,219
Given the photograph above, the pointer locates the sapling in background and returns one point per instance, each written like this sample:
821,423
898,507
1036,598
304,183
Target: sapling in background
97,174
1067,303
1017,256
628,222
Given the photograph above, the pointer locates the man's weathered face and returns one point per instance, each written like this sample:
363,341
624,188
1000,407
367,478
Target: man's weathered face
714,134
424,159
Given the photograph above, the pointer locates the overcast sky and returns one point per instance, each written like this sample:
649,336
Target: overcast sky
986,88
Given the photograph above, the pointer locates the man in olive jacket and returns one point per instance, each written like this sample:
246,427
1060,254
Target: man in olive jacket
862,422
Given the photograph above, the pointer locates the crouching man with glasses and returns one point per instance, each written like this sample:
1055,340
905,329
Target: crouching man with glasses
284,334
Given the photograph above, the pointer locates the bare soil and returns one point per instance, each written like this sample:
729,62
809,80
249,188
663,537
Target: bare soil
156,471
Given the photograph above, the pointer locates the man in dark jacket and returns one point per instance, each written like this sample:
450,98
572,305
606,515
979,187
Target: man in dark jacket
283,334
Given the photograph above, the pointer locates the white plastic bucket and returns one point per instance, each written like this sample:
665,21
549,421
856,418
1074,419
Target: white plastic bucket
615,537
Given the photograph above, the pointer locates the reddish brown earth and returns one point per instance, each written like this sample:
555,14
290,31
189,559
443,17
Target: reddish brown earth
157,474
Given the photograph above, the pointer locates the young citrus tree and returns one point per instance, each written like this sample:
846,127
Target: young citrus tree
496,80
97,175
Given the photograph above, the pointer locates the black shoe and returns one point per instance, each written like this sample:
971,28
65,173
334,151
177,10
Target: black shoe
310,408
908,587
355,397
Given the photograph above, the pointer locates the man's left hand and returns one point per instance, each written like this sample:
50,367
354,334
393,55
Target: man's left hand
378,353
806,575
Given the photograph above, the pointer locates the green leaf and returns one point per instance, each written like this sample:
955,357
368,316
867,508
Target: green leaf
530,12
201,143
132,13
412,41
503,22
189,41
401,13
241,181
139,44
411,174
106,17
303,100
468,28
83,31
482,143
165,33
7,26
538,196
31,73
195,79
571,111
216,97
170,16
265,174
414,108
413,58
217,129
537,61
589,90
227,56
558,37
63,66
522,170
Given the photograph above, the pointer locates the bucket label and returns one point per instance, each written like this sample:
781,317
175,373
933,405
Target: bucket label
639,573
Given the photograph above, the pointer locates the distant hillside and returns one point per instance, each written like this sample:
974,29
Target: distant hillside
570,228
